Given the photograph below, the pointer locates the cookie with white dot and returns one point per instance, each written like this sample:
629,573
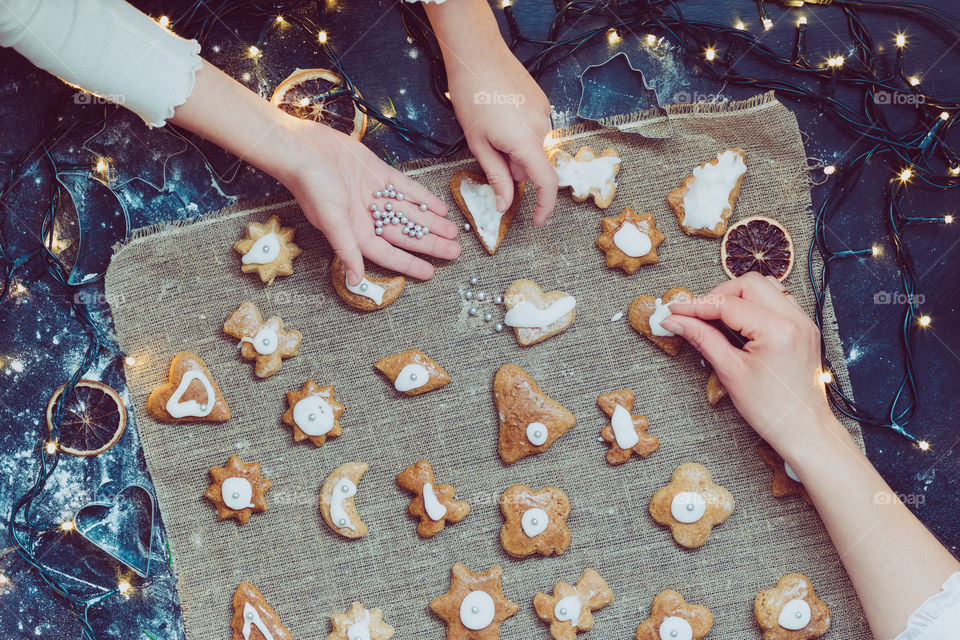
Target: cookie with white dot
238,490
337,506
267,249
413,372
190,393
253,618
791,610
433,504
534,521
691,505
474,606
530,420
371,294
263,341
785,481
569,610
313,414
359,623
646,313
673,618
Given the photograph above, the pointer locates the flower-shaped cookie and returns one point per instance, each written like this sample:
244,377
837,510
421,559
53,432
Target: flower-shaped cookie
535,315
474,607
251,611
704,202
359,623
238,490
630,240
534,521
626,434
691,505
672,618
313,414
190,393
337,505
646,313
715,389
791,610
785,481
413,372
588,174
570,609
530,420
432,503
371,294
267,250
264,342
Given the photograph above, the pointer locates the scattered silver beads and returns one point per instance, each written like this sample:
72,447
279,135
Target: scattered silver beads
474,280
423,206
466,226
473,311
481,296
498,300
468,295
498,327
487,317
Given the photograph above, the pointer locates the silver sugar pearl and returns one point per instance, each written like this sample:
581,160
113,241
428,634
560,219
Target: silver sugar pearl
265,342
534,521
481,296
376,215
498,300
799,614
377,194
373,207
312,417
473,311
423,206
487,317
468,295
538,434
345,489
466,226
413,377
378,231
474,280
563,611
342,522
266,248
250,616
498,327
426,229
404,219
390,187
236,495
399,196
388,207
690,507
363,286
673,633
474,609
419,234
394,220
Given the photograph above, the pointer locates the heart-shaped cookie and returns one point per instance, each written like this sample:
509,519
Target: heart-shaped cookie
371,294
535,315
530,420
189,395
121,527
646,313
478,203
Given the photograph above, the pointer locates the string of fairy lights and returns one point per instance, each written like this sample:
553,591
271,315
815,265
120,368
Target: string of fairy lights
854,87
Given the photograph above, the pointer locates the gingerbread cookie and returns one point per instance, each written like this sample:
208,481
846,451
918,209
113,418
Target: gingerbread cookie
704,202
791,610
253,619
535,315
785,481
588,174
570,609
359,623
646,313
433,503
478,203
626,434
672,618
475,606
190,393
715,390
530,420
413,372
630,240
691,505
336,500
313,414
238,490
371,294
267,250
534,521
266,343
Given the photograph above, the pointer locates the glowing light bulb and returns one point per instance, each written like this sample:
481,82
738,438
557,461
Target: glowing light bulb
826,377
322,37
944,115
914,81
102,166
67,525
924,320
164,21
254,51
280,20
51,447
124,586
905,175
876,251
767,24
710,54
613,36
835,61
829,170
446,94
651,39
304,102
955,171
948,219
130,360
802,20
4,579
901,40
923,445
740,25
506,3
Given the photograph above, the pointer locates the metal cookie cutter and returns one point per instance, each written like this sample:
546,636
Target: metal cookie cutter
122,526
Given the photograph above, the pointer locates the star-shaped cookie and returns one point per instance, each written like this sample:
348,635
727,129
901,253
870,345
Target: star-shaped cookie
359,623
475,606
432,503
626,434
267,250
190,393
570,609
646,313
313,414
785,481
630,240
672,617
266,343
238,490
534,521
791,610
253,619
530,420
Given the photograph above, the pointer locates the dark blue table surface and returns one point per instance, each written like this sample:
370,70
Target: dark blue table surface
41,342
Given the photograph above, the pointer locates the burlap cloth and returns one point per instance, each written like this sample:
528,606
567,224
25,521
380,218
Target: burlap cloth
177,285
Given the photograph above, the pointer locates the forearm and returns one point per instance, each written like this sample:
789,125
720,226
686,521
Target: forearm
466,30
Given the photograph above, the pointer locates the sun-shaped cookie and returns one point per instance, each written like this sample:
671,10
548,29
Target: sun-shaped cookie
630,240
267,250
570,609
475,606
238,490
313,414
359,623
265,342
626,434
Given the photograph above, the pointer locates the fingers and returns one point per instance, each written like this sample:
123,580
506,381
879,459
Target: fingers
755,288
430,244
437,225
389,257
708,340
542,174
344,244
415,193
495,167
740,315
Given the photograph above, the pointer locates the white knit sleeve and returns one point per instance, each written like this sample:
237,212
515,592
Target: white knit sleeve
939,617
106,47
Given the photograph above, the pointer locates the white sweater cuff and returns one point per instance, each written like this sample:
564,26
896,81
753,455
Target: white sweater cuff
939,617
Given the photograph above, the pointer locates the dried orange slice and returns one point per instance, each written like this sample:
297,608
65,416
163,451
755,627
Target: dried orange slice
317,94
94,418
758,244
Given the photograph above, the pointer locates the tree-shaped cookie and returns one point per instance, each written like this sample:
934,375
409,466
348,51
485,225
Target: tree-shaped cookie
313,414
626,434
474,606
672,618
360,623
630,240
791,610
413,372
534,521
646,313
190,393
267,250
266,343
253,619
433,504
530,420
238,490
691,505
785,481
570,609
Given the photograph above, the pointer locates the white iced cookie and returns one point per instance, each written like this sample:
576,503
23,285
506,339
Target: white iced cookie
413,372
688,507
795,615
435,510
623,431
568,609
537,433
265,250
314,416
237,493
633,242
264,343
588,174
337,500
535,315
661,312
477,610
675,628
367,289
705,201
412,376
179,408
534,522
481,201
527,315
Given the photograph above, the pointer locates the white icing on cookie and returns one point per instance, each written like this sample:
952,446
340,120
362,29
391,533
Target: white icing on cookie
265,342
536,433
366,289
688,506
791,473
191,408
534,522
430,503
313,415
481,202
584,175
237,493
674,628
341,491
412,376
660,313
709,191
795,615
633,242
526,315
265,250
568,609
623,431
360,630
251,618
477,610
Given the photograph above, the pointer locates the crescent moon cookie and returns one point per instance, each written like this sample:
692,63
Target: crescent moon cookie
267,250
253,619
646,313
433,503
570,609
588,174
715,390
691,505
336,500
626,434
266,343
530,420
474,606
413,372
371,294
238,490
478,203
535,315
785,481
190,393
630,240
672,618
791,610
534,521
313,414
359,623
704,202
